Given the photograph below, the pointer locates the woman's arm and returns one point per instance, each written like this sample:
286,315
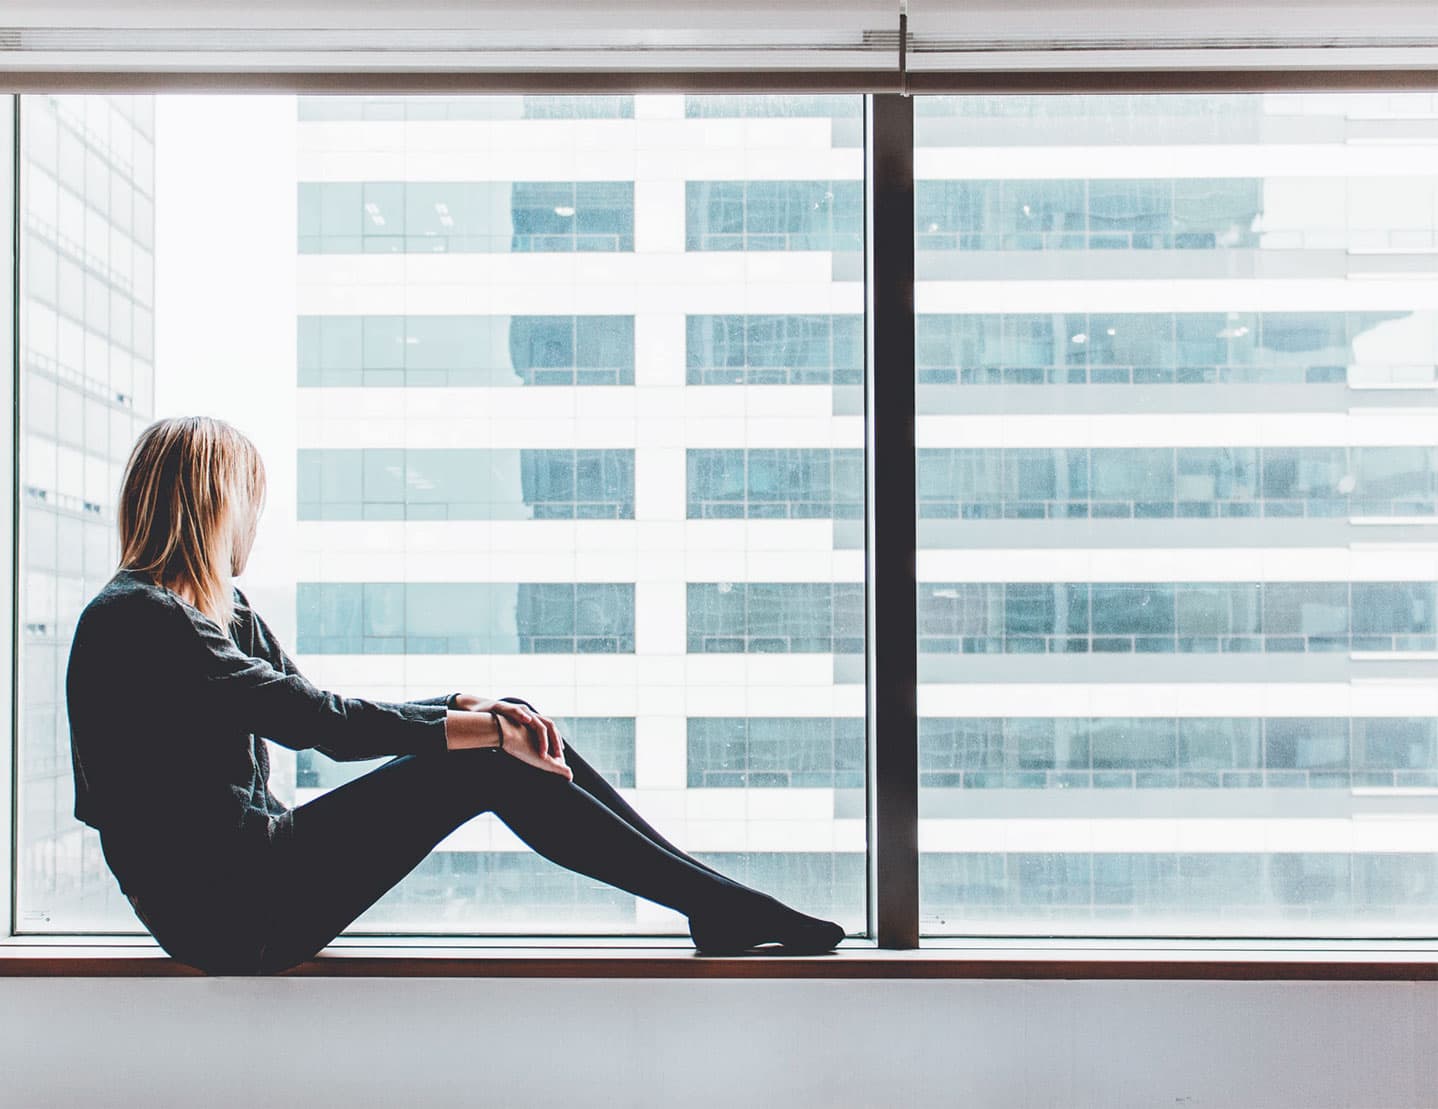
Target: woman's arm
266,645
469,723
280,704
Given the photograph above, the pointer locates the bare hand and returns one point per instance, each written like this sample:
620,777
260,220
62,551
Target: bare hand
525,734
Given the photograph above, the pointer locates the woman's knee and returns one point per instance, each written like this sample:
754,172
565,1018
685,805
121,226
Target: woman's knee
564,740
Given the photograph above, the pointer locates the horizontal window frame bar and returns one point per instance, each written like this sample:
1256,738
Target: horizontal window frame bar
1260,77
1412,962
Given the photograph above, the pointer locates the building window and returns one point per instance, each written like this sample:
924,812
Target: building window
1165,752
802,752
1184,618
465,618
1178,483
464,351
1188,348
1098,214
798,484
380,484
774,215
776,617
775,350
465,217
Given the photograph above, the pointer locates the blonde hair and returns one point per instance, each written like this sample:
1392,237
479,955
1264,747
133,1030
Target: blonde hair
189,504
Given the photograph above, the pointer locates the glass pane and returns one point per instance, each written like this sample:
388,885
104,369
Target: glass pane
8,346
1177,476
86,388
482,348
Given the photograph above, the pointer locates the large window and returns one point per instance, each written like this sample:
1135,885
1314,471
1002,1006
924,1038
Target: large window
1178,620
510,336
566,398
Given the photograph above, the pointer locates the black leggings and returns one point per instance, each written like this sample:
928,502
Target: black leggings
352,845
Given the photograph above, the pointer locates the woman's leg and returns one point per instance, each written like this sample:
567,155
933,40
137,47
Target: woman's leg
589,779
717,933
349,847
594,783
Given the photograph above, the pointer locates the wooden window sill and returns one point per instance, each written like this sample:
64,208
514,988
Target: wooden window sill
92,957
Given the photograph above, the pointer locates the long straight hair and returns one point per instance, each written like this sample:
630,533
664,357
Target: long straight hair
189,504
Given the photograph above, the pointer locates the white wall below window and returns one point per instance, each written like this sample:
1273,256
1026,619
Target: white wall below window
475,1042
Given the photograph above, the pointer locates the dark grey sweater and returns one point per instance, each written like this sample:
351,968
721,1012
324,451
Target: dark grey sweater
165,710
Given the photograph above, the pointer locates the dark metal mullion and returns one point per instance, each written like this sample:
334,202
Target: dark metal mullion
890,489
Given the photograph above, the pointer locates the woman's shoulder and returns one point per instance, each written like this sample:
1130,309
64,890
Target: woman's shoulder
132,602
130,615
128,593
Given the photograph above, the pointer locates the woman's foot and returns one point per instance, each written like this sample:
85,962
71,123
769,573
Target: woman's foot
793,931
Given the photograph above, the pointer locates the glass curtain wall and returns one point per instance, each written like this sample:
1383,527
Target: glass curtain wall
86,388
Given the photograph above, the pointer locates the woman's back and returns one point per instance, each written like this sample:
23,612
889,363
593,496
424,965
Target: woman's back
169,783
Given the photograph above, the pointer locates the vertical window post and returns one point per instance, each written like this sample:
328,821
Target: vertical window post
890,488
10,350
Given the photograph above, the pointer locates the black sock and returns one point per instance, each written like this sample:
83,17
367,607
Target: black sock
764,921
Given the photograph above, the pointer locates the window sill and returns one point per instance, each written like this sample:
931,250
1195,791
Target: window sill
1405,961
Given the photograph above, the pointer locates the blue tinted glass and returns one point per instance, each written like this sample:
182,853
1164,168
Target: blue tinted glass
371,483
774,215
1168,348
465,618
782,617
774,350
1099,214
465,350
758,752
1275,617
798,483
465,217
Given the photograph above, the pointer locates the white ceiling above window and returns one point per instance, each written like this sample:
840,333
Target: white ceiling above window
688,35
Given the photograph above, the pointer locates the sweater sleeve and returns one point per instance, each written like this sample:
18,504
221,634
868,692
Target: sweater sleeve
277,702
445,699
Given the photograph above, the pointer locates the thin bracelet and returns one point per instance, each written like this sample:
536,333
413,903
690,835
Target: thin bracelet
499,725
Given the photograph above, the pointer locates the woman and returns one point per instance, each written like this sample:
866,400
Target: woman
172,679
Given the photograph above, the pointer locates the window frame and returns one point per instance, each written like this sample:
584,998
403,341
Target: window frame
890,489
9,529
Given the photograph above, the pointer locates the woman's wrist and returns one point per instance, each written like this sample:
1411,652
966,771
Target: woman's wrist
464,730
